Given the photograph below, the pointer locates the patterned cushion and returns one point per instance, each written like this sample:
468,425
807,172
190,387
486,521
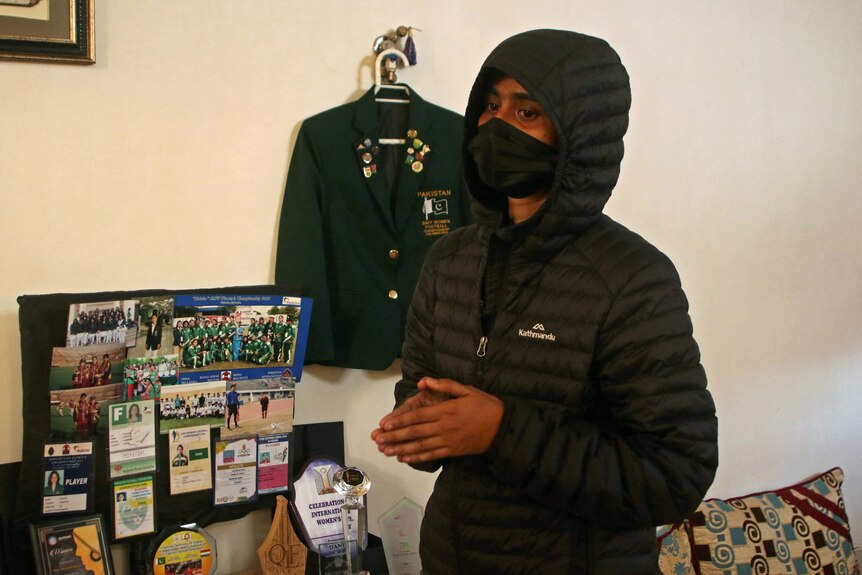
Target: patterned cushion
800,529
674,551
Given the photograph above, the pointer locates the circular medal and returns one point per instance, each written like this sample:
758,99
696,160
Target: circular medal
417,166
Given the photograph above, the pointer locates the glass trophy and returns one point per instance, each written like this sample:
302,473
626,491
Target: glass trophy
400,527
353,484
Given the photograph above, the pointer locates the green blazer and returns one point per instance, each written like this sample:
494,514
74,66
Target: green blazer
354,243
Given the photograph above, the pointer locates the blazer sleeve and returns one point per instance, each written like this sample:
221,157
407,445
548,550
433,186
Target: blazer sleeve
649,453
301,250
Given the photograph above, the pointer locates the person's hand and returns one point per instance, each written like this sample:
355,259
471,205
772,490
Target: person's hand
445,419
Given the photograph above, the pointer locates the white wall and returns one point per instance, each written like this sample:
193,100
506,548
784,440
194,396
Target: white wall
742,165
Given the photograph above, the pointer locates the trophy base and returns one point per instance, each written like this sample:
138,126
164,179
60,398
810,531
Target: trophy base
339,558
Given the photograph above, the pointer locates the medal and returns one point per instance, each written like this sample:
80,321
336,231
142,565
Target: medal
417,150
366,151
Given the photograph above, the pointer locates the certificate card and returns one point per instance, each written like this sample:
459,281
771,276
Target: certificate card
73,546
132,436
241,337
190,462
235,470
272,463
67,475
134,507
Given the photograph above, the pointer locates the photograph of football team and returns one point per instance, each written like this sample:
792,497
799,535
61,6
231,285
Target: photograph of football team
259,406
82,383
191,404
100,323
144,377
153,338
225,337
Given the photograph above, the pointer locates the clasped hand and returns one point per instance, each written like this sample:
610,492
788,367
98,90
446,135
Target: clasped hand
445,419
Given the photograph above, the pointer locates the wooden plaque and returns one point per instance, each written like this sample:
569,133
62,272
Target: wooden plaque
282,552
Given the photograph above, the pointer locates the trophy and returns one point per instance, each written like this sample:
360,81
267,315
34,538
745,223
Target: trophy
282,553
353,484
400,527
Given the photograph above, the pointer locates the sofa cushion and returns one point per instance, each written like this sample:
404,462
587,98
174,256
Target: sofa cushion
674,551
800,529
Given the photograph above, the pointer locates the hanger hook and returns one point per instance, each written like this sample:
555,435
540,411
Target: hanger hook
379,60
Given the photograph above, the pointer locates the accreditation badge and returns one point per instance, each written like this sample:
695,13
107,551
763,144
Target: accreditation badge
67,477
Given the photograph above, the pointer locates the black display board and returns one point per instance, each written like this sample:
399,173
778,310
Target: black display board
43,324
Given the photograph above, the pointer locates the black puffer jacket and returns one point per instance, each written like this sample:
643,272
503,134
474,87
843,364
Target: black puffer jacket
608,429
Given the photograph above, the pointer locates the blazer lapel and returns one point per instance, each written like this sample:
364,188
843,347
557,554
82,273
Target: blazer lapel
418,155
367,150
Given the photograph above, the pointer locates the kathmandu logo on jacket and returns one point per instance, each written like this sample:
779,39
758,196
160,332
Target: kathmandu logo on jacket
537,332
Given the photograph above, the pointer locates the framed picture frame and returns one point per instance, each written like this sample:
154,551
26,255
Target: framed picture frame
56,31
71,546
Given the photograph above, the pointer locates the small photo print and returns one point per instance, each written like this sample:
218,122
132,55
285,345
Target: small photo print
99,323
144,377
91,366
192,404
82,382
153,316
259,406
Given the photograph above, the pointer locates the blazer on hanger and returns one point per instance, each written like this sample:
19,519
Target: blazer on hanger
355,242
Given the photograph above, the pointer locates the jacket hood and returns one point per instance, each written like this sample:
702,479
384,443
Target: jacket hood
584,88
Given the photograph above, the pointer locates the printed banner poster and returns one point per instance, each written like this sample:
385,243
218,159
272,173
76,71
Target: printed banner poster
190,462
235,471
67,470
272,463
240,337
261,406
132,436
134,507
82,383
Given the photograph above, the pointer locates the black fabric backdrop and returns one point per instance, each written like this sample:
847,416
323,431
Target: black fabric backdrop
43,323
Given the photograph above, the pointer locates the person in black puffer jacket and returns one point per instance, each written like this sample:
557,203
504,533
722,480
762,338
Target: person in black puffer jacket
549,366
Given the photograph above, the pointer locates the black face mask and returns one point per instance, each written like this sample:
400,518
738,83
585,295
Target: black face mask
511,161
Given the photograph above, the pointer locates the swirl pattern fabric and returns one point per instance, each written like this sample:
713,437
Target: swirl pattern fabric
674,549
800,529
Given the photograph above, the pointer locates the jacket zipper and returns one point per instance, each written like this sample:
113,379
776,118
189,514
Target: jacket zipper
480,353
483,342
